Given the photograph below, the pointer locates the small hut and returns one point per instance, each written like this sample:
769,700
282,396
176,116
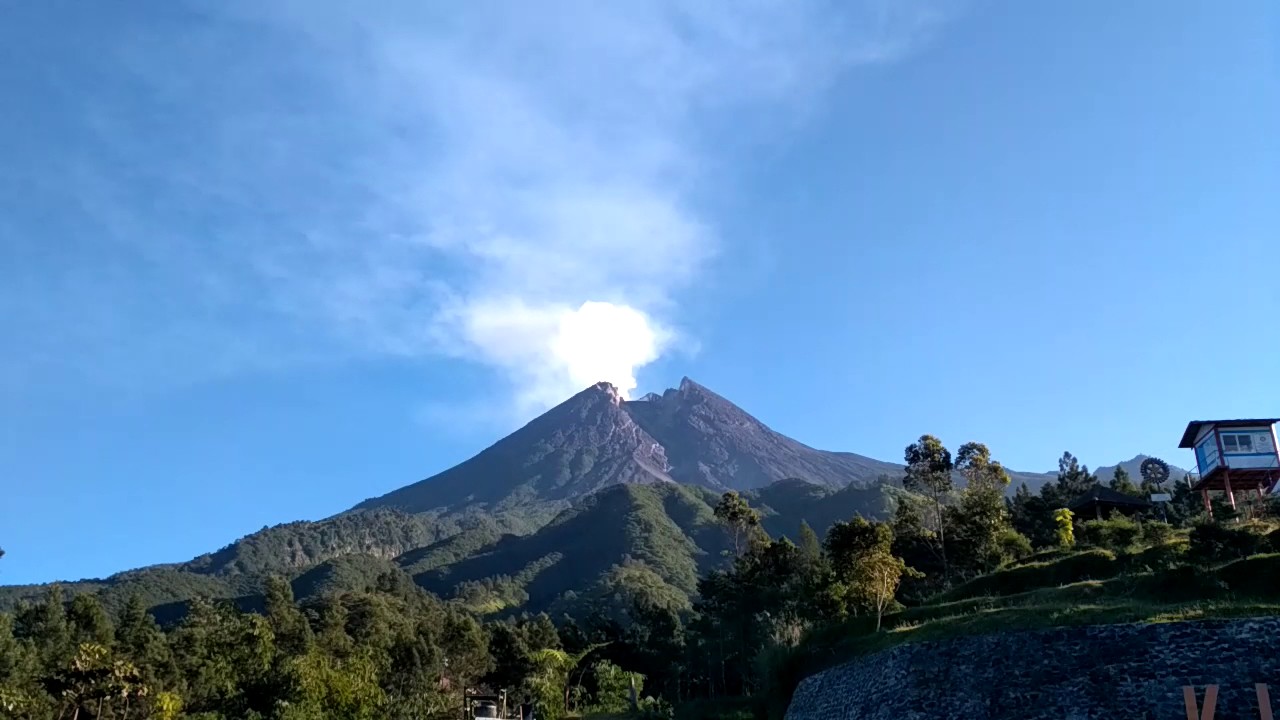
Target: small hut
1101,502
1233,456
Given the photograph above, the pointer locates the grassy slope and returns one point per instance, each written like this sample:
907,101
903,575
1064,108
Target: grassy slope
1053,589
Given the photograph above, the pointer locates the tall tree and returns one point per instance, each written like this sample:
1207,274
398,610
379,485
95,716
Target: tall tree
1032,514
511,664
741,521
810,546
44,625
929,468
981,519
549,681
1074,479
140,641
865,568
292,633
1121,482
18,672
225,658
88,622
465,647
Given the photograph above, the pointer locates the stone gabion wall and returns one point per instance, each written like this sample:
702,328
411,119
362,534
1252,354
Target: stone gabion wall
1125,672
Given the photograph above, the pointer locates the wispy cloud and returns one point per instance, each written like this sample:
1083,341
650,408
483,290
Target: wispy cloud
507,183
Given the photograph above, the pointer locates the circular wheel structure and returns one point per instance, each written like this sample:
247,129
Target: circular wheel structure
1155,471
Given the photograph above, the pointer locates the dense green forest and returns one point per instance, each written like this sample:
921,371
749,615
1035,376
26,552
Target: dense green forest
710,606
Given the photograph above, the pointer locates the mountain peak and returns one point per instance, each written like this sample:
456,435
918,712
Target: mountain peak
608,389
586,442
688,386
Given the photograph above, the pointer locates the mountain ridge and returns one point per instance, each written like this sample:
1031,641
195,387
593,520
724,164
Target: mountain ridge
594,450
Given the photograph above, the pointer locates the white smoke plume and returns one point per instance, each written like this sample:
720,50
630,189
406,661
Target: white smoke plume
553,351
509,183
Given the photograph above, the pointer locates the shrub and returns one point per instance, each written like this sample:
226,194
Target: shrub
1211,542
1179,584
1164,556
1088,565
1013,545
1117,534
651,708
1155,532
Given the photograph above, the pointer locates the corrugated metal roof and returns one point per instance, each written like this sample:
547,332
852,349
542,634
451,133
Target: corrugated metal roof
1106,496
1193,427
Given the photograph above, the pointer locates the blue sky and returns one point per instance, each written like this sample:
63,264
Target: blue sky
260,261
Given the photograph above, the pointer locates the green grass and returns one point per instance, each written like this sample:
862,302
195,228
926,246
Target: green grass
1054,589
1083,603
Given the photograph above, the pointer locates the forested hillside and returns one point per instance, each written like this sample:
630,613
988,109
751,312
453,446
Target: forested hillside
593,441
692,596
699,545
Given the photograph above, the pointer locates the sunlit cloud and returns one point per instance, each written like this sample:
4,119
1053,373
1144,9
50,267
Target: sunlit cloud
510,184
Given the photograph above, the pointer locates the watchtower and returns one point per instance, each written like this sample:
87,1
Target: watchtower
1234,456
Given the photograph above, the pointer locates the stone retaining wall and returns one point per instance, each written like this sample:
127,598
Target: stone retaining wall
1125,672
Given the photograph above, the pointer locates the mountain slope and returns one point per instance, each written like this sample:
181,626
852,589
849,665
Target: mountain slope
670,528
786,503
583,444
710,441
595,484
656,538
289,547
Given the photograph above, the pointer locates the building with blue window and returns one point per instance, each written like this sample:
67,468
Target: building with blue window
1234,456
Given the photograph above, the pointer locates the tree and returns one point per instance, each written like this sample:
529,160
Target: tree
326,687
549,680
1074,479
225,658
655,646
511,664
17,671
864,565
981,519
465,647
88,622
540,632
44,625
810,546
929,468
742,522
1120,482
331,631
875,580
847,545
292,633
613,688
1065,531
140,641
93,681
918,546
980,472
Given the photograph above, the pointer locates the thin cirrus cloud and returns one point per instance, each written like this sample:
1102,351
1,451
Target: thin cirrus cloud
512,184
